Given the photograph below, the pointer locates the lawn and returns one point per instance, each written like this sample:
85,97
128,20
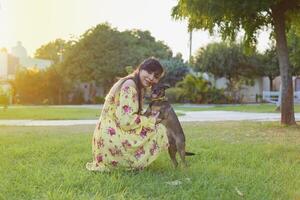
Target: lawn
49,112
52,112
61,113
235,160
260,108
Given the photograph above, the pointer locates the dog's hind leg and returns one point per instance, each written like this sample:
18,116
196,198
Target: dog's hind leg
181,151
172,152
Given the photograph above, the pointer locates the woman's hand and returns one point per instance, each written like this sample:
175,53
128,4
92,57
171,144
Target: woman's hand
157,120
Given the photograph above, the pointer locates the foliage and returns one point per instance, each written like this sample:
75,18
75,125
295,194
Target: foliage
56,86
231,16
102,53
28,85
99,100
53,50
293,38
129,69
268,61
175,94
267,65
229,62
34,86
175,70
4,98
223,60
217,96
196,89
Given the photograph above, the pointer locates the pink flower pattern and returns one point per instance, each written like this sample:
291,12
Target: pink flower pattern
137,120
154,147
111,131
127,109
126,89
126,145
100,143
139,153
99,158
134,98
144,132
115,151
114,163
138,146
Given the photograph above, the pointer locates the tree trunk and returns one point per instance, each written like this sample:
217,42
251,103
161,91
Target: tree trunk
287,97
271,83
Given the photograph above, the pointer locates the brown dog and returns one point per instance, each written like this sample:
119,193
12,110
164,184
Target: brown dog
168,117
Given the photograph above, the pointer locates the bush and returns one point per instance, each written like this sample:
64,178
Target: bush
4,98
215,95
77,98
175,95
45,102
99,100
195,89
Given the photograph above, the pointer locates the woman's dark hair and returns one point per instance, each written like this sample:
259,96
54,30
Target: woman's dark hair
150,65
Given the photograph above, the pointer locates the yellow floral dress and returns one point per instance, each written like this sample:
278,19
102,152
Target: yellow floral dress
122,138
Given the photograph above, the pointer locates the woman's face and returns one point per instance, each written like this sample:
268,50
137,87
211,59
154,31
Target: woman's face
148,78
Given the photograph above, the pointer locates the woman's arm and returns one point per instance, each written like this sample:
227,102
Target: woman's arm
127,110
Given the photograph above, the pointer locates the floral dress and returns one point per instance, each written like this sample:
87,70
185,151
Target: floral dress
122,138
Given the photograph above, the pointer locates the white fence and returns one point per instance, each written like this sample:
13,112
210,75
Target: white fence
273,96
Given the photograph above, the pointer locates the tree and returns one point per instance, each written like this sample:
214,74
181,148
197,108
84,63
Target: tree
230,16
29,86
55,86
268,65
228,61
175,69
53,50
293,38
102,54
4,98
34,86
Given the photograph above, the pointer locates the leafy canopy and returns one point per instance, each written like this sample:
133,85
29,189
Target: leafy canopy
102,53
228,17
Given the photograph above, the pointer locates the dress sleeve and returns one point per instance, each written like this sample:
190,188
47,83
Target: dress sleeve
126,112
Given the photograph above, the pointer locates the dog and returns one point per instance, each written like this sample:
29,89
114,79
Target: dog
169,119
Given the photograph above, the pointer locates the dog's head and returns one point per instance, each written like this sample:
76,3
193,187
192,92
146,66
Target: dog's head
158,91
159,103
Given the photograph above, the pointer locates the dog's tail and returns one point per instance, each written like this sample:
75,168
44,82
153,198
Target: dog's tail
189,153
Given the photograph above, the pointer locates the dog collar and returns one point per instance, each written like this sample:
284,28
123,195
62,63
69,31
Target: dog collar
160,99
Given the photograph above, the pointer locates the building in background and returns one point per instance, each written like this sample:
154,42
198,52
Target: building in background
9,62
25,61
250,93
8,65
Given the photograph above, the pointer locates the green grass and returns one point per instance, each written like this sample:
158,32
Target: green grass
49,112
61,113
260,108
258,160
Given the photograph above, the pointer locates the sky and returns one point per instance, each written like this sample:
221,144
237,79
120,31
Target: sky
37,22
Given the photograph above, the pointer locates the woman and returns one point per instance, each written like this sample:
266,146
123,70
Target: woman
124,138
